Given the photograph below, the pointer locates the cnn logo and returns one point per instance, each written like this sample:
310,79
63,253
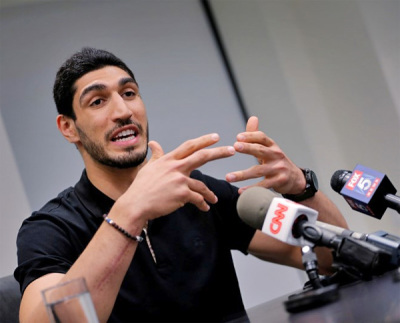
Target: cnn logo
276,222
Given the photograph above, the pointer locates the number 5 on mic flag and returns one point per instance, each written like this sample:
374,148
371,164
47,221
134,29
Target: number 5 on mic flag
365,190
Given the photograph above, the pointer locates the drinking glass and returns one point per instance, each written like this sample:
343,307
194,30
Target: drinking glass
70,302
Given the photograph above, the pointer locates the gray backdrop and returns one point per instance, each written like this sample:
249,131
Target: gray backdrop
323,76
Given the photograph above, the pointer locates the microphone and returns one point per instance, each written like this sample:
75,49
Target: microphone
261,209
380,238
296,224
366,190
254,203
285,220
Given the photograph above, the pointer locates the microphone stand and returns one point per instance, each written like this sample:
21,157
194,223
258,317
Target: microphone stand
354,258
393,201
311,266
318,295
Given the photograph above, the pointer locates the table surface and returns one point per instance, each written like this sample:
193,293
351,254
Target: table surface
376,300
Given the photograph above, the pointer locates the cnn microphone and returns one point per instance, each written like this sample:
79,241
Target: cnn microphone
366,190
262,209
285,220
285,223
254,203
296,224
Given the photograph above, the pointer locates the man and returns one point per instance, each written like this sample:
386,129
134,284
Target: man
182,270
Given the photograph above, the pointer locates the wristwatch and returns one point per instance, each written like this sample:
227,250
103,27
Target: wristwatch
310,190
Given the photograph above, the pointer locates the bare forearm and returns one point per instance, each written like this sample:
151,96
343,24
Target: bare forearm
327,210
103,264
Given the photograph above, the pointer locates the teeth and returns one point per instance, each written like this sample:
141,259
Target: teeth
125,135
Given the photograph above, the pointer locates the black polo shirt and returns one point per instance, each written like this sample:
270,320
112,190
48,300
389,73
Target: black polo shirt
194,278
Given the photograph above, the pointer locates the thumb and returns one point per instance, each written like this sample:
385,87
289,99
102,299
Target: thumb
252,124
156,150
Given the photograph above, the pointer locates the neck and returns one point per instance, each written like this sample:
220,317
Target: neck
113,182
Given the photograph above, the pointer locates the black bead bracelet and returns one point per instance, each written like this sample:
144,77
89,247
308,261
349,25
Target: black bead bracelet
123,231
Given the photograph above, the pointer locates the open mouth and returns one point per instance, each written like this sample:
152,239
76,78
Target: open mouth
125,135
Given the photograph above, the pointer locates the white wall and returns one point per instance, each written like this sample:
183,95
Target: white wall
323,76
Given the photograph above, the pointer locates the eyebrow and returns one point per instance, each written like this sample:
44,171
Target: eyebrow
126,80
100,87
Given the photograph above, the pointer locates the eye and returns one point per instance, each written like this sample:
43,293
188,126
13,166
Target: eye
96,102
129,94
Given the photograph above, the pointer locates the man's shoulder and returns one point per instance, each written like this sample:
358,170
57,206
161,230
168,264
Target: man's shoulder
67,197
62,197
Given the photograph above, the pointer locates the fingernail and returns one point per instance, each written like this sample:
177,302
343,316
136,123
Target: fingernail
239,146
231,150
215,200
215,136
240,137
231,177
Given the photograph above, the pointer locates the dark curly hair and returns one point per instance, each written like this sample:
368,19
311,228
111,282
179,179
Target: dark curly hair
86,60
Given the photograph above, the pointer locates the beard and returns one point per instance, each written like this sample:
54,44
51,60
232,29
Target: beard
96,150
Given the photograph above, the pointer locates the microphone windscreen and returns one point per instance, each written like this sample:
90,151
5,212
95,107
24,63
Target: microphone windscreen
253,204
339,178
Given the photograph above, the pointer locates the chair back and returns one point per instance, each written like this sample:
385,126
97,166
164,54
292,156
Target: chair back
10,298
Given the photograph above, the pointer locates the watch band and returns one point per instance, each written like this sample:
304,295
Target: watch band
310,190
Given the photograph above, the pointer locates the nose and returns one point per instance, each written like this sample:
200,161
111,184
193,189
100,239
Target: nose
120,108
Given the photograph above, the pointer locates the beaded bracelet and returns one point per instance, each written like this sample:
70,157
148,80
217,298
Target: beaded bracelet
124,232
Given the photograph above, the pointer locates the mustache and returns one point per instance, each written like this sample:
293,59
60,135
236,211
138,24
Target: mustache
123,123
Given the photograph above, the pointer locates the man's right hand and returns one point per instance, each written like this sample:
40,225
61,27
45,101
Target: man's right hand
164,184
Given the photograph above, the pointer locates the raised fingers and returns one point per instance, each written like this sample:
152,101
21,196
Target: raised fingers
256,137
194,153
190,146
203,156
261,152
200,195
252,124
249,173
156,150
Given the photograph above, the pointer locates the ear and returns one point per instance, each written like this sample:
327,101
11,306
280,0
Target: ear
67,128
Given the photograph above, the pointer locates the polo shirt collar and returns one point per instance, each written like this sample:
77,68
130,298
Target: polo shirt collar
92,198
